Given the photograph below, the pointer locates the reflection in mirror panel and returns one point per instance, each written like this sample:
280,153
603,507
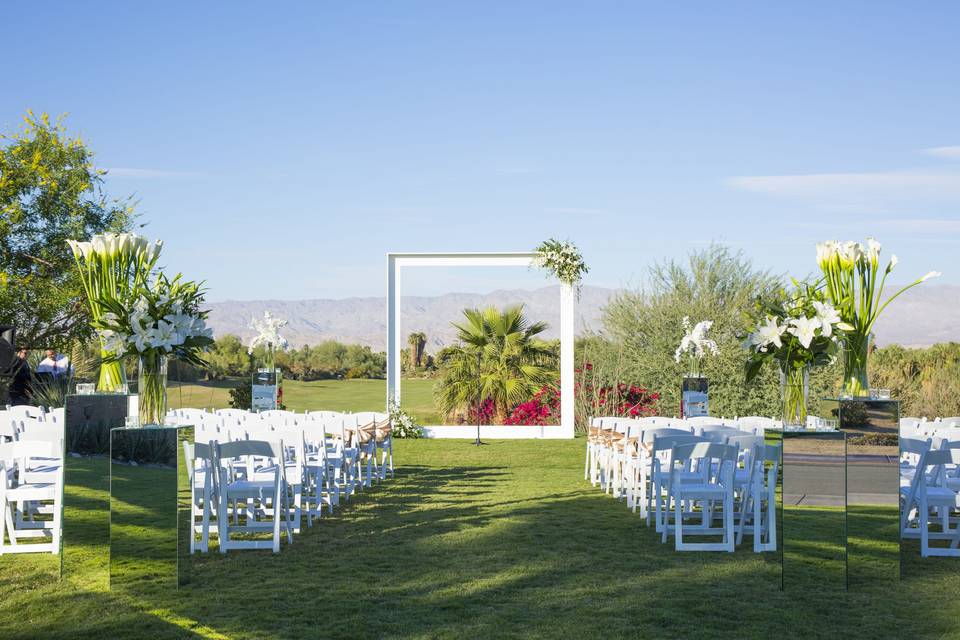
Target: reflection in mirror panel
88,420
872,428
143,508
814,512
185,442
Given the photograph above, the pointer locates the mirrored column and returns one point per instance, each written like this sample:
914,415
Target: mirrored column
86,495
147,493
813,515
873,537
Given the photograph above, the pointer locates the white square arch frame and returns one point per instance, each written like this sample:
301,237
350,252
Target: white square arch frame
395,264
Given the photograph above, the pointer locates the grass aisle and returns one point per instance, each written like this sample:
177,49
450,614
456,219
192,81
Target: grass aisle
502,541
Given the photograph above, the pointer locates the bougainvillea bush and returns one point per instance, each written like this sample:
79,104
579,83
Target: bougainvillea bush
618,399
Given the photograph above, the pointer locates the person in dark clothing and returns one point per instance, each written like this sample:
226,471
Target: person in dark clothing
20,384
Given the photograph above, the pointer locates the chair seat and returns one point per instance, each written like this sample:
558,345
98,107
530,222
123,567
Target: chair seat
253,488
33,491
694,490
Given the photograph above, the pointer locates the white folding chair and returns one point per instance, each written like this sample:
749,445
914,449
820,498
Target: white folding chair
262,503
710,490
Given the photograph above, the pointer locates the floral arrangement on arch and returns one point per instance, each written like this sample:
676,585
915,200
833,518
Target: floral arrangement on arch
402,423
268,333
563,260
695,345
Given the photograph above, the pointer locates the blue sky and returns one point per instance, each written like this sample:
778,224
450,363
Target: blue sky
282,150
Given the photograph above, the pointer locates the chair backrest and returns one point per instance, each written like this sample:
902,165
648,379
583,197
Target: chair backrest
37,430
650,435
26,411
244,448
684,453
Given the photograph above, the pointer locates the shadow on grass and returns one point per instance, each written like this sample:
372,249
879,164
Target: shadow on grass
498,542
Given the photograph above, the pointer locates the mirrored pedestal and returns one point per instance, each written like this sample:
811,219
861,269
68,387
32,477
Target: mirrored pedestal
873,481
814,511
149,508
85,550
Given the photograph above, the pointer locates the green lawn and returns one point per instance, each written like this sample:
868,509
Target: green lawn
505,540
335,395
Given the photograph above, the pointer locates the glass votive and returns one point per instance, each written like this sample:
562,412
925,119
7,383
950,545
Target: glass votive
86,388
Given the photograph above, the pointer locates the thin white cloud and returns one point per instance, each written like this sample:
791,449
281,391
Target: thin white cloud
128,172
950,152
817,183
922,225
576,211
856,187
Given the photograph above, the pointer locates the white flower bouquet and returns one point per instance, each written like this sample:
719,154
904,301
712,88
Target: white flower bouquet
268,333
799,334
112,267
563,260
855,287
695,345
164,320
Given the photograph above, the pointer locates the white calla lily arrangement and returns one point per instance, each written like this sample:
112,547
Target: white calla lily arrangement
695,345
855,285
112,267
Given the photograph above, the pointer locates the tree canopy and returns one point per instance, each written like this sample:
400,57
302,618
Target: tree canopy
50,191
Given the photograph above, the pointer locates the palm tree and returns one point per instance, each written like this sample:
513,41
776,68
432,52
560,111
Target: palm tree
514,362
417,342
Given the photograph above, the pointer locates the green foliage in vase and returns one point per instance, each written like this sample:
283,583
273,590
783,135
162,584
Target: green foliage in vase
50,192
514,362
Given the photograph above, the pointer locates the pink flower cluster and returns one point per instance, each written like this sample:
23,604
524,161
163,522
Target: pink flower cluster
542,409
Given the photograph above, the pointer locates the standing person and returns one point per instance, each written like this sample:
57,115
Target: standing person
55,364
20,385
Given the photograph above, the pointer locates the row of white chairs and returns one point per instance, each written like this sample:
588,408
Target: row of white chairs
31,479
699,476
270,471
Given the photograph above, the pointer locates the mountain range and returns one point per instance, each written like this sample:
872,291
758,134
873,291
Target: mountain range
923,316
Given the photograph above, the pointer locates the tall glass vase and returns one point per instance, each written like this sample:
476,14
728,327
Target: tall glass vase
794,384
152,389
113,377
856,350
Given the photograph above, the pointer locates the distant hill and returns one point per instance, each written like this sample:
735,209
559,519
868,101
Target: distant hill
364,320
925,315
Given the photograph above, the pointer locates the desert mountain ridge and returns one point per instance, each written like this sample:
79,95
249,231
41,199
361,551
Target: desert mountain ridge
923,316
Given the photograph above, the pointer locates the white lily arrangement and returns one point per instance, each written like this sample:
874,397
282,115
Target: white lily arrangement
165,319
563,260
695,344
112,266
855,285
803,331
268,333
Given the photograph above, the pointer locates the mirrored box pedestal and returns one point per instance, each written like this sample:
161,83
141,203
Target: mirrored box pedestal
873,482
149,507
85,548
813,516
